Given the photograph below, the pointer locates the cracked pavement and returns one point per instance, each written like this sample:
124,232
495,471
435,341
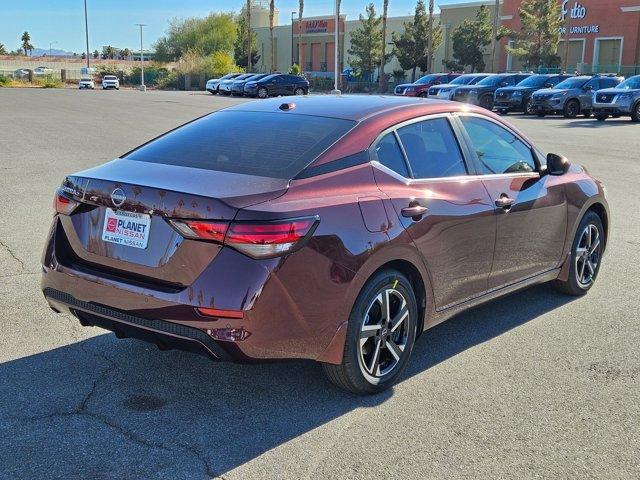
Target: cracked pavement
536,385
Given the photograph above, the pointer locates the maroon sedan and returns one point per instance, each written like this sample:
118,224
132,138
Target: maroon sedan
335,229
420,88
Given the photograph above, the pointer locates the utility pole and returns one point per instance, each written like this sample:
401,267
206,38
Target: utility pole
86,33
50,44
248,36
143,88
292,57
494,34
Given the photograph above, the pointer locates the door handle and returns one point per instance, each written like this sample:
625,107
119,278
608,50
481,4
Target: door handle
414,211
505,202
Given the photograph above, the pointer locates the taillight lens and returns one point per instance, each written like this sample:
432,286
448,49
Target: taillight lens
255,239
63,204
270,239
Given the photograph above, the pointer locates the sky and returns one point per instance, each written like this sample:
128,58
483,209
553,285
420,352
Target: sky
112,22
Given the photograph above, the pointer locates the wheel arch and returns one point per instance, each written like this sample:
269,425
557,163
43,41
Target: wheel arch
599,209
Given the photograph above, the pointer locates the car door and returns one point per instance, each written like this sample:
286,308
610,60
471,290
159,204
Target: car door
586,94
446,212
530,208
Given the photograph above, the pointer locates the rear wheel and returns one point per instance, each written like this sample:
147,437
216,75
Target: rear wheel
571,109
586,254
528,107
380,335
262,92
635,114
298,91
503,111
541,114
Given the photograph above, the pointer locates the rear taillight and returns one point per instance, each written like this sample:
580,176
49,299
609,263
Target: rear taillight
255,239
63,204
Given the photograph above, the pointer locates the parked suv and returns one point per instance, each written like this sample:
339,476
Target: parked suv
237,87
110,81
445,90
482,92
624,99
213,84
277,84
571,97
518,98
420,88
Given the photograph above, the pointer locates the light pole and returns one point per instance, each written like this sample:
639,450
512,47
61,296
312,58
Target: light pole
292,57
336,53
51,43
86,33
143,88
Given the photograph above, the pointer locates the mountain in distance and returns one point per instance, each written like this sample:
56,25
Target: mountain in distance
55,52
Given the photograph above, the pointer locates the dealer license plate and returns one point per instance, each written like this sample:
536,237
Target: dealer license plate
126,228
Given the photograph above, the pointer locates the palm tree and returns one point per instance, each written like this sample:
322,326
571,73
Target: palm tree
272,9
3,49
383,57
248,35
300,10
430,38
26,43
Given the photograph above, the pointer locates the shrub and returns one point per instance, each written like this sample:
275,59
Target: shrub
48,81
107,69
320,84
5,81
295,69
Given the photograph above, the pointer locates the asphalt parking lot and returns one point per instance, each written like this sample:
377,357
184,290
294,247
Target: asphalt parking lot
536,385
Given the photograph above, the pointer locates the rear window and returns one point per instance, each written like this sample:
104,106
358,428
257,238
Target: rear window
278,145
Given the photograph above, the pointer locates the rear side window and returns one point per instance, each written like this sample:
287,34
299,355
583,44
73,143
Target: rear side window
389,154
432,149
278,145
608,82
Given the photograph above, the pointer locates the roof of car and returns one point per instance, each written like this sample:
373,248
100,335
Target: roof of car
349,107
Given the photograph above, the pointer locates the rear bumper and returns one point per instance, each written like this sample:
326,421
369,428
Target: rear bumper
165,335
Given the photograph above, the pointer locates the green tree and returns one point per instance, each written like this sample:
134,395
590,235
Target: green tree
125,53
536,44
213,33
108,53
470,38
410,47
26,43
366,42
434,40
240,46
96,54
3,50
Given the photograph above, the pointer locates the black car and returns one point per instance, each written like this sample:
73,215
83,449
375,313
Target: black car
518,98
237,87
482,92
277,84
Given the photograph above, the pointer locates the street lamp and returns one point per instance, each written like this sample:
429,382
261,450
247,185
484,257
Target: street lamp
336,53
143,88
86,33
292,57
51,43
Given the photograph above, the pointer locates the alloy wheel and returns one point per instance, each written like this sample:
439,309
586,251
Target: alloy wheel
587,255
528,107
262,93
384,333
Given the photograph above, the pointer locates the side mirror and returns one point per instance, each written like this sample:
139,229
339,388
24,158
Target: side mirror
504,84
557,164
587,88
548,85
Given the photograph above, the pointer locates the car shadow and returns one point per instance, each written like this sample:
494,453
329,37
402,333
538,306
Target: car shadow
593,123
120,409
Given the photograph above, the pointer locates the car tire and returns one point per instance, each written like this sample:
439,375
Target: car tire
263,92
298,91
601,117
584,264
528,107
503,111
635,113
571,109
540,114
366,357
587,114
486,101
423,95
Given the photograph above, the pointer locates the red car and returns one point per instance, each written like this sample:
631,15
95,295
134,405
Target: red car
335,229
420,88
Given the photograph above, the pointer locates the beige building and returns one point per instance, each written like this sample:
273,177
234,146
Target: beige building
310,43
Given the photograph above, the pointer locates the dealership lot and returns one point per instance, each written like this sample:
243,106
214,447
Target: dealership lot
536,385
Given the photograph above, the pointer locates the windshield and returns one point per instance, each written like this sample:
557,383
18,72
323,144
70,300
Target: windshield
492,80
427,79
534,81
218,142
110,77
462,80
572,83
630,83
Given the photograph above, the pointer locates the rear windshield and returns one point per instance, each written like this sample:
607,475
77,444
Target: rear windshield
278,145
569,83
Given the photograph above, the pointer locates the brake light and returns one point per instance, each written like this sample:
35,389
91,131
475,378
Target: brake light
201,230
270,239
63,204
255,239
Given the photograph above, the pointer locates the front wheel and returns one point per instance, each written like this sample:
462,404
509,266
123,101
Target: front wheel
380,335
487,102
586,253
571,109
262,92
298,91
528,107
635,115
